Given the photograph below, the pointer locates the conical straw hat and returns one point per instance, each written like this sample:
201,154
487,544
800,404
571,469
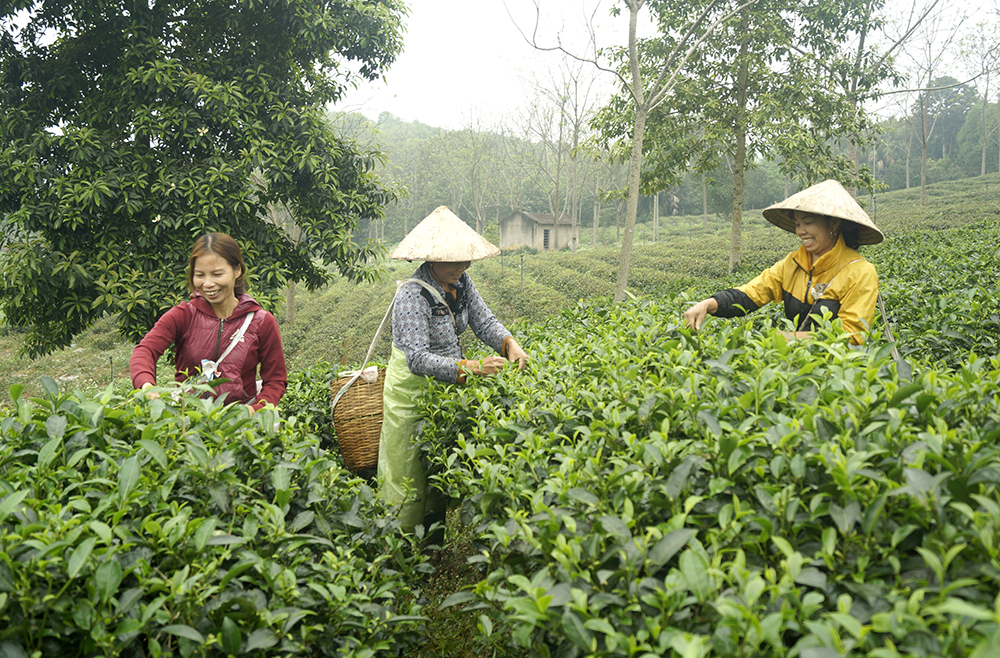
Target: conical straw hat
444,238
827,198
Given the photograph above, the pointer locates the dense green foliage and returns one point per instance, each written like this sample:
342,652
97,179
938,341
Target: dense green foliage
644,490
639,490
132,527
129,129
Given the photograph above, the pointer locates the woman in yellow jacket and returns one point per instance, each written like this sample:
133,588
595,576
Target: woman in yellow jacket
825,272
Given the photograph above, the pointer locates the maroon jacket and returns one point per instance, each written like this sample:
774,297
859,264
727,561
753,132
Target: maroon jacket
197,333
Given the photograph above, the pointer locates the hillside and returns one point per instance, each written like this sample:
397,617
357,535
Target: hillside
336,324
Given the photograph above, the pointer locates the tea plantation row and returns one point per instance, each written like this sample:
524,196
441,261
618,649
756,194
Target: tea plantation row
643,491
131,527
640,490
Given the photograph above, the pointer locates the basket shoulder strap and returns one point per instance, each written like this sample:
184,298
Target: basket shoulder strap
371,350
435,294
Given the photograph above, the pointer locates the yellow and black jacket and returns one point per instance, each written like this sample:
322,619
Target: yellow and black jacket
840,280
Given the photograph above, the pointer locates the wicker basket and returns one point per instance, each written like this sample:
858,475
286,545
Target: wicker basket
357,419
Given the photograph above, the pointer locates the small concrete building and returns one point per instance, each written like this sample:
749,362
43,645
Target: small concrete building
538,231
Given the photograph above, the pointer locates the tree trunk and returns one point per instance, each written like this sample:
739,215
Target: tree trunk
290,303
597,210
633,202
986,132
656,217
704,200
923,143
296,234
635,163
736,240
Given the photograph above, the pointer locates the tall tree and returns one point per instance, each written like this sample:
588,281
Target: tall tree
647,81
934,46
981,54
767,85
128,128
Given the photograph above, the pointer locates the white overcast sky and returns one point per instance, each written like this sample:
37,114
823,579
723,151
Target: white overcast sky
464,58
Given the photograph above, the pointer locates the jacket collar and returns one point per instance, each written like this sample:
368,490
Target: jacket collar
244,304
828,261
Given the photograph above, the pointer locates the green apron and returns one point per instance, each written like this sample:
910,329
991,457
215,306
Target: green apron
401,476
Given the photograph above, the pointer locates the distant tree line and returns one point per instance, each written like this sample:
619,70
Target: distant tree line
483,174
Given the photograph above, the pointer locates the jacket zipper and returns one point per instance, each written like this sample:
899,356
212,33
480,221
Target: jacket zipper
218,340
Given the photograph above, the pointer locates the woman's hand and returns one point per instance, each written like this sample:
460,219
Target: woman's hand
516,353
695,316
491,365
152,395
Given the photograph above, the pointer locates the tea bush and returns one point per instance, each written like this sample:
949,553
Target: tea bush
136,527
939,291
646,491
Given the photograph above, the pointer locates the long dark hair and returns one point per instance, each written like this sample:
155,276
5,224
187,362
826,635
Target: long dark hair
222,245
851,233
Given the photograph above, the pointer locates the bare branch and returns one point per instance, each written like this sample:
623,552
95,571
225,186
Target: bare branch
661,88
926,89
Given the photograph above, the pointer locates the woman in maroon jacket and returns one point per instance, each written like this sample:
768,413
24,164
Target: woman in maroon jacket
221,332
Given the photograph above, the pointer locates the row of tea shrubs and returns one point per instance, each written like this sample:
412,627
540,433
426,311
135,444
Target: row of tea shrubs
640,490
166,527
643,490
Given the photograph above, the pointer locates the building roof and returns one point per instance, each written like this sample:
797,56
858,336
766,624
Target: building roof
540,218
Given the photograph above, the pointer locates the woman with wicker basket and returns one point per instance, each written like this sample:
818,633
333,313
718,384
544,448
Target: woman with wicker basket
430,310
826,272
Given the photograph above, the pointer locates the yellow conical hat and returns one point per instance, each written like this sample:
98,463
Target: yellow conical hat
444,238
827,198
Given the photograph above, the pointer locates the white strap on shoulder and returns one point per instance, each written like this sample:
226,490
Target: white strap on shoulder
236,337
381,326
434,293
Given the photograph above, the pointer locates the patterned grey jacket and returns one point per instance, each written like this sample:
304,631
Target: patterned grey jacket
422,327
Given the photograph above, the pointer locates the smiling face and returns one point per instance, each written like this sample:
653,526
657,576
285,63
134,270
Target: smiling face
448,274
818,233
215,279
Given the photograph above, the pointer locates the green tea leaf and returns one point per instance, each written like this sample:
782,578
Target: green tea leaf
668,546
108,578
694,570
615,526
49,385
10,650
204,532
578,634
961,608
55,426
10,502
232,638
711,421
262,638
128,475
584,496
155,451
78,558
812,577
457,598
48,453
183,630
903,393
